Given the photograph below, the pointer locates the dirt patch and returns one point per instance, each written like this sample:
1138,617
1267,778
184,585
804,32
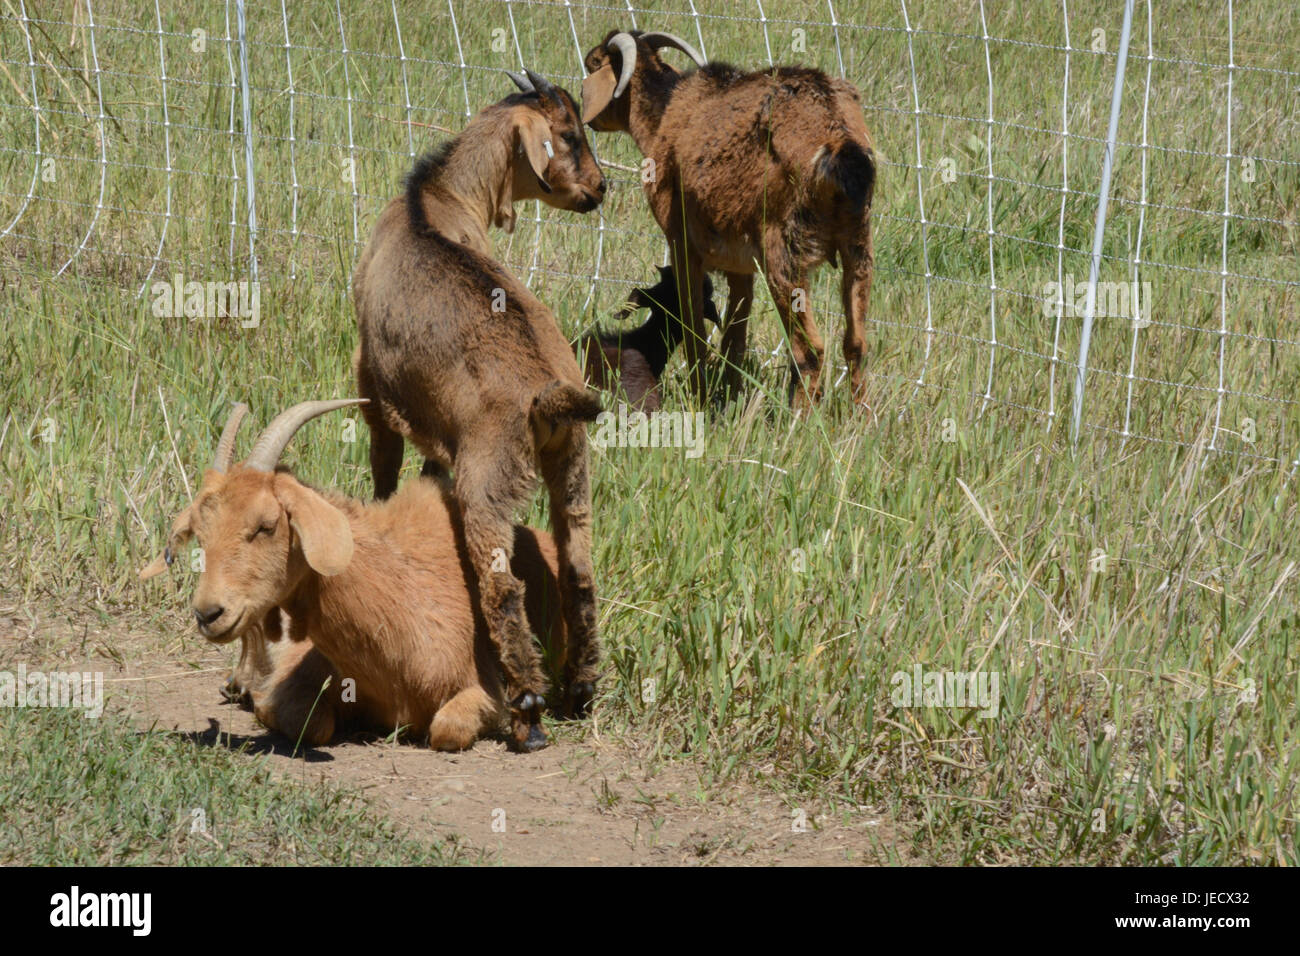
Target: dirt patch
591,798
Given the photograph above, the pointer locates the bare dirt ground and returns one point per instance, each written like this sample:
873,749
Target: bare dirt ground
591,798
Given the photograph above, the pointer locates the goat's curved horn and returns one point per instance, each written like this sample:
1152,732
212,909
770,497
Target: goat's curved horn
657,40
271,443
226,444
540,83
525,86
626,47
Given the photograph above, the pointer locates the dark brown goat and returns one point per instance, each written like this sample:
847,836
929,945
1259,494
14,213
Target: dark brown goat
459,357
636,358
772,169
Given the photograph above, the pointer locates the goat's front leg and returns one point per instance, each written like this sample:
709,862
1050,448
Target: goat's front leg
255,664
458,722
294,701
565,471
735,329
487,501
689,270
789,288
855,292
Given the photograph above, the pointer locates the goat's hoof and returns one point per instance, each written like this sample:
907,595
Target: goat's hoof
581,695
232,690
527,738
528,703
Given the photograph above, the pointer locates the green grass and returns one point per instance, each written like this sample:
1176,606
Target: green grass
93,792
772,587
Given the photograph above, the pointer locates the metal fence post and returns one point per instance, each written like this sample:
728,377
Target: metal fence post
1099,228
250,197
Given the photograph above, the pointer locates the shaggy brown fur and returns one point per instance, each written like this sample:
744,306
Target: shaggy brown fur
774,167
635,359
457,356
382,594
472,182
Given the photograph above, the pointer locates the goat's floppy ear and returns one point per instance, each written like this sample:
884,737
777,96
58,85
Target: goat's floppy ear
182,531
322,530
597,91
636,299
533,135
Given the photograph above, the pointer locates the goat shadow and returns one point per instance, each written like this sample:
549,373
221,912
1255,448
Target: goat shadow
269,742
275,743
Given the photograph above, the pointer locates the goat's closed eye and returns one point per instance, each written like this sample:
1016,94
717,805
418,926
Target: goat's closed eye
267,529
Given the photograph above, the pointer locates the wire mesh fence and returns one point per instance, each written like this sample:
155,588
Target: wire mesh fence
148,145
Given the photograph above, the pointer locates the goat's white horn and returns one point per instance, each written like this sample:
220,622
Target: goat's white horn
226,444
521,81
271,443
657,40
626,47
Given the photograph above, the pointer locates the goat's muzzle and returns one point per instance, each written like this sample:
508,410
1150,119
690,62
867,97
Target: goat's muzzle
590,199
209,618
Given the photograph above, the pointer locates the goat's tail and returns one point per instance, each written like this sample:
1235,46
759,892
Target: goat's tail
560,403
849,168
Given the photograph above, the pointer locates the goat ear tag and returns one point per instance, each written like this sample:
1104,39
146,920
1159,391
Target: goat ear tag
597,91
550,150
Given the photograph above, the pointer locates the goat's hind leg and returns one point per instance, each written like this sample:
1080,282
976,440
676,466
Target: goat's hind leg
806,345
855,292
740,297
489,539
386,448
435,469
789,287
565,471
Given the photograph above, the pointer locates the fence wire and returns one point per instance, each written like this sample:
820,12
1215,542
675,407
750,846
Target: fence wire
220,140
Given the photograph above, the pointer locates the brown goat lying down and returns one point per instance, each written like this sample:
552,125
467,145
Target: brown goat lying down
380,594
635,359
773,167
457,356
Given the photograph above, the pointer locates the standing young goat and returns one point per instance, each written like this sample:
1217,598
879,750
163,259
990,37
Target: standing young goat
459,357
635,359
774,167
384,592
